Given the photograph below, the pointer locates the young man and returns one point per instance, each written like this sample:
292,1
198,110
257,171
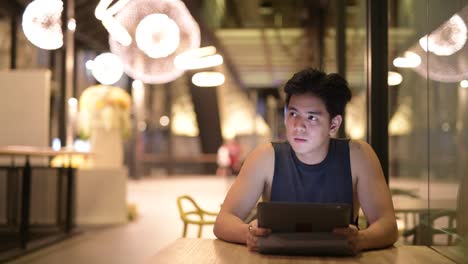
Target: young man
312,166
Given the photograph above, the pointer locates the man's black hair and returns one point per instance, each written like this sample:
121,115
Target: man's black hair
331,88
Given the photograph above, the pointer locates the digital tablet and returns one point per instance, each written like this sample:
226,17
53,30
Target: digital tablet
303,228
303,217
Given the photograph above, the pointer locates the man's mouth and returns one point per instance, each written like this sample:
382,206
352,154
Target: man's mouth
299,140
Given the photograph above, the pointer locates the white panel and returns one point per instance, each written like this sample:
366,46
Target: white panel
24,106
24,117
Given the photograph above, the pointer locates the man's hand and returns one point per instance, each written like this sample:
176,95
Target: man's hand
254,233
353,236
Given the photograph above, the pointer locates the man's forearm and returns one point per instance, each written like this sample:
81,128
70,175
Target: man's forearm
380,234
230,228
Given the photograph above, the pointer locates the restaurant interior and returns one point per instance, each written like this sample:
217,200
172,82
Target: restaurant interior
119,117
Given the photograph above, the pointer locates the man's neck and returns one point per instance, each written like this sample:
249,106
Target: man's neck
315,156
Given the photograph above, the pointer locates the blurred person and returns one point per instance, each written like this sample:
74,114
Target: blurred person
312,166
229,158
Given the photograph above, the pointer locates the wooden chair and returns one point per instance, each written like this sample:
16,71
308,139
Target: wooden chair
191,213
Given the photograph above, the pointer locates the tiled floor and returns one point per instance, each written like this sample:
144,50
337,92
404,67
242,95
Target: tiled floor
158,222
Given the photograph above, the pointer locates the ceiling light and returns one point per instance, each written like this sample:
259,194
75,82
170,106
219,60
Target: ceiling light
116,31
410,60
157,35
199,63
447,39
164,121
107,68
103,8
141,60
89,64
71,24
198,59
208,79
464,84
394,78
42,24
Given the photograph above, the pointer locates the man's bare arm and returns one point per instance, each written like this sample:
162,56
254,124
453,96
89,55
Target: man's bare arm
374,197
244,194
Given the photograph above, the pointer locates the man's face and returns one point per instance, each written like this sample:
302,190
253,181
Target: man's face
308,126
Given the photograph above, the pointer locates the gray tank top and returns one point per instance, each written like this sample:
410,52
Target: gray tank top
329,181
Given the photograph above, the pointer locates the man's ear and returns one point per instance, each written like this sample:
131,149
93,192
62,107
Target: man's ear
335,124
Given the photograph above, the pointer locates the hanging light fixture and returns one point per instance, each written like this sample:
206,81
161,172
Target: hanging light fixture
410,60
107,68
447,39
42,23
394,78
157,35
198,59
208,79
150,58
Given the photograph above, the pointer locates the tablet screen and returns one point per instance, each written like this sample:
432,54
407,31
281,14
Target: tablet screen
303,217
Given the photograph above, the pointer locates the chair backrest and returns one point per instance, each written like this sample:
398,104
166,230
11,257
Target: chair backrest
184,201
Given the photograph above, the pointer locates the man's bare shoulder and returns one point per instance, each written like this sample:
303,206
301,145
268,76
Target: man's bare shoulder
259,164
359,148
263,154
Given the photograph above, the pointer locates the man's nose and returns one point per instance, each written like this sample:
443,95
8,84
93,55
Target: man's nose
299,124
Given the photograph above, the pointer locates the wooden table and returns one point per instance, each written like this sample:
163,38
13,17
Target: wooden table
185,250
455,253
419,205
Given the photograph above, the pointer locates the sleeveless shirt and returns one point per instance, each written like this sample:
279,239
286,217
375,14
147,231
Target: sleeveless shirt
329,181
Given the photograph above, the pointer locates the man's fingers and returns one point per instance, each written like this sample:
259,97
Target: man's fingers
345,231
258,231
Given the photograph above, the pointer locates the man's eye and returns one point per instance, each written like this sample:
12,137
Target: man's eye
292,113
312,118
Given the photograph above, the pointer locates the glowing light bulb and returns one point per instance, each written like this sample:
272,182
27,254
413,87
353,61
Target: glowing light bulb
157,35
208,79
107,68
42,24
394,78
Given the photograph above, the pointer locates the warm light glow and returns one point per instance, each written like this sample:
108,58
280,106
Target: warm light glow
71,24
198,59
81,145
157,35
137,84
89,64
410,60
72,102
138,94
447,39
394,78
208,79
400,122
164,121
42,23
116,31
107,68
464,84
56,144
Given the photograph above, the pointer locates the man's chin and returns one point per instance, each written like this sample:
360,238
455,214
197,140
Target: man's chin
299,147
